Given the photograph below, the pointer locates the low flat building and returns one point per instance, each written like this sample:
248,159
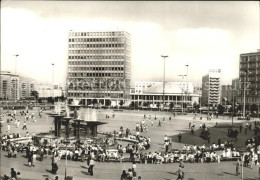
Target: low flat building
174,93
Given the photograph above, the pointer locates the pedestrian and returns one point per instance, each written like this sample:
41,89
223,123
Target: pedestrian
123,175
134,169
24,126
237,167
18,176
179,136
159,123
18,124
189,125
13,173
180,174
91,166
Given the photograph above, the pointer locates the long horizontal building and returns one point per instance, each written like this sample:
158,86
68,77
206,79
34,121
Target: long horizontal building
174,93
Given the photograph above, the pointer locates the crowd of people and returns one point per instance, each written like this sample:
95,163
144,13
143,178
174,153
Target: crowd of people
132,152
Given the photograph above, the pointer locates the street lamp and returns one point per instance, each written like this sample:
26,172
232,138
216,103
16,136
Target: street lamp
52,80
244,101
66,142
182,92
163,78
186,87
16,55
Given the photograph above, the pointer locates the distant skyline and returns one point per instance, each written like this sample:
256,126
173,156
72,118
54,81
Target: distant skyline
204,35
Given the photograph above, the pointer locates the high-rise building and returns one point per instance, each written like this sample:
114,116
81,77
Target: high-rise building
99,67
249,76
211,88
27,85
9,86
226,94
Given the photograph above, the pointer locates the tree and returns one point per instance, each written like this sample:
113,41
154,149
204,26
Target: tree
220,109
171,105
35,94
121,103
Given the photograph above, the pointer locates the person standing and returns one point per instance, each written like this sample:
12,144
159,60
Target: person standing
134,169
91,166
13,173
179,136
8,127
240,128
237,167
159,123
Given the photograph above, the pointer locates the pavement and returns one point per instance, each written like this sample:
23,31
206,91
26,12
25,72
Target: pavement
127,118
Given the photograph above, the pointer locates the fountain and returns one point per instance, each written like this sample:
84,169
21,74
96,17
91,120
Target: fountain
82,118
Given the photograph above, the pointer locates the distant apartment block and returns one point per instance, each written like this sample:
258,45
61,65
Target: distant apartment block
249,75
211,87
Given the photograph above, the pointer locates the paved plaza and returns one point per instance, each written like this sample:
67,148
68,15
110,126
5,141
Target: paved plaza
112,170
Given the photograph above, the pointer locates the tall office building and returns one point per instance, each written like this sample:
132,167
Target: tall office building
99,67
211,88
249,75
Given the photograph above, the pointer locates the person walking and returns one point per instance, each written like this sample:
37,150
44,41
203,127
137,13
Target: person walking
91,166
180,174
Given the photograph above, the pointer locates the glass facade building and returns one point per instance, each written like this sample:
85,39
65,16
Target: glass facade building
99,67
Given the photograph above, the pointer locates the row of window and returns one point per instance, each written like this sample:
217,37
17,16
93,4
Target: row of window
96,62
250,58
96,68
97,57
117,33
96,74
96,45
96,39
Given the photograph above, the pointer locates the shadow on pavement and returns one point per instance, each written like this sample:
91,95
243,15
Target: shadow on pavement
85,167
229,173
220,174
83,172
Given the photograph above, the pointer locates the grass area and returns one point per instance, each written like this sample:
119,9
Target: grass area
216,132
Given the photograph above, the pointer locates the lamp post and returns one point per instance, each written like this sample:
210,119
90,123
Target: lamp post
244,100
182,93
52,80
186,87
163,78
16,55
66,142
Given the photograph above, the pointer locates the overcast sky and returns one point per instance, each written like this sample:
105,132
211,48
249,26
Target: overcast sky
203,35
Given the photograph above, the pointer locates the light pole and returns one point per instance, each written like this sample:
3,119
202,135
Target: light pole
163,78
52,80
244,101
182,93
16,55
186,87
